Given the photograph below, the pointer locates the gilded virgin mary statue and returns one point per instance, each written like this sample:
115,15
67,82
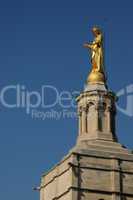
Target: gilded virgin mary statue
97,74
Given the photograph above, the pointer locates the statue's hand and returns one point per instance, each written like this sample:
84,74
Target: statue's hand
87,45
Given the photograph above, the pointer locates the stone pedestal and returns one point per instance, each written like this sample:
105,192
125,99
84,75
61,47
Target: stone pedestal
96,107
98,167
90,174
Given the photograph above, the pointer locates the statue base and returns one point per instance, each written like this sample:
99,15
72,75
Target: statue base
96,77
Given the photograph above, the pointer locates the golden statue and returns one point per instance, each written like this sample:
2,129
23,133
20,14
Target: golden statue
97,74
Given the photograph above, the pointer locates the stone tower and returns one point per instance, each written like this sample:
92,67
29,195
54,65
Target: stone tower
98,167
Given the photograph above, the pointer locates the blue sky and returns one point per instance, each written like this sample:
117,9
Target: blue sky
41,43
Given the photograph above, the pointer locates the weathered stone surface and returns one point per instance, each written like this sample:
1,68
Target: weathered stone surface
89,176
98,167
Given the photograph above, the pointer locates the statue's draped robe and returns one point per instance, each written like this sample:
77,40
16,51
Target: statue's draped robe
97,54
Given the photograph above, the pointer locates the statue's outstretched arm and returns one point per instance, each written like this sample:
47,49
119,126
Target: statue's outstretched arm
89,46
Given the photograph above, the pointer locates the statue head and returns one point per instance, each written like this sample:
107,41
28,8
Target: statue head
96,31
